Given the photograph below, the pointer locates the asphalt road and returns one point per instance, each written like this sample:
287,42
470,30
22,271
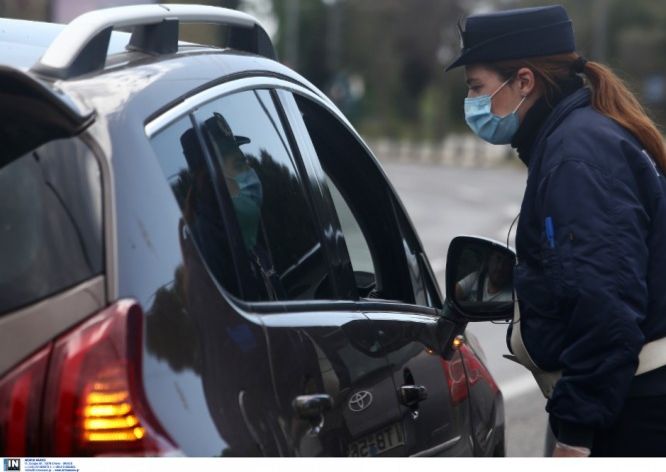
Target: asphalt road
445,202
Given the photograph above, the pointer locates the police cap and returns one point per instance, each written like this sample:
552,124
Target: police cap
515,34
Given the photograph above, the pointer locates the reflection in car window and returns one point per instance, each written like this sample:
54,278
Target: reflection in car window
184,165
51,228
246,138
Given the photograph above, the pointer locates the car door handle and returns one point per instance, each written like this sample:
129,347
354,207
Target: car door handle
412,395
312,406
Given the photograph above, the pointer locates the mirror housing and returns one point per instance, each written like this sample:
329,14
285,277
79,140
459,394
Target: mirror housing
435,333
479,279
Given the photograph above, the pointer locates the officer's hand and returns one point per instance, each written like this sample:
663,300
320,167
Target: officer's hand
564,450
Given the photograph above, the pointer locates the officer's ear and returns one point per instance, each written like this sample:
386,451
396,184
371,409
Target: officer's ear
525,81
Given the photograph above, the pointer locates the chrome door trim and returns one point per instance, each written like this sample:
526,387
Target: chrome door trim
193,102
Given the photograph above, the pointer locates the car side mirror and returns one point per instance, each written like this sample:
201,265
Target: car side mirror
479,279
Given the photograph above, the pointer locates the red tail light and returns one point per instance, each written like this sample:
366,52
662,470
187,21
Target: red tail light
20,398
93,399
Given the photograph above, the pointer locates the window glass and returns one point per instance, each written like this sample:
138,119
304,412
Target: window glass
180,155
249,145
51,226
424,292
365,275
359,252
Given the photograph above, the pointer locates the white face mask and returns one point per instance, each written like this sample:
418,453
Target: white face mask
488,126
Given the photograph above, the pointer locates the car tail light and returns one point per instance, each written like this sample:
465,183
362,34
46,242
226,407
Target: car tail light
20,399
93,399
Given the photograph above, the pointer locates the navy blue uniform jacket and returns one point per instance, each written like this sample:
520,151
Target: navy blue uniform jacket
593,296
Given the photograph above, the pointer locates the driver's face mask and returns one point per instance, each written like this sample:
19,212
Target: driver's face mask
488,126
247,205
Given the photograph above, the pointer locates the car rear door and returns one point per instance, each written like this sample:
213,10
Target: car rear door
394,284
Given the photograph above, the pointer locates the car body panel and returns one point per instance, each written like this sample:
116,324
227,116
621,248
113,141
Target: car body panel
335,354
440,424
486,403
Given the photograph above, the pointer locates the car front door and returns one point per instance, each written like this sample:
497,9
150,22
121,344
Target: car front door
331,379
205,369
394,283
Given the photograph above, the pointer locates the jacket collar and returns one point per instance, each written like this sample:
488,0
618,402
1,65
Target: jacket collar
541,114
529,129
578,99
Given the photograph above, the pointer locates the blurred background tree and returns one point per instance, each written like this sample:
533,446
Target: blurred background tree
629,37
382,61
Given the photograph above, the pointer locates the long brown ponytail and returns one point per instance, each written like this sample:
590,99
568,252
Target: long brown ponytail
610,95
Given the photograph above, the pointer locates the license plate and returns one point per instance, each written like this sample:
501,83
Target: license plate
378,442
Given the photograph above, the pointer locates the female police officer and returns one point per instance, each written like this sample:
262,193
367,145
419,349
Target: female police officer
591,240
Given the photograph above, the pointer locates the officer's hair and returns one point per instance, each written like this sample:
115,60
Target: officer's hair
610,95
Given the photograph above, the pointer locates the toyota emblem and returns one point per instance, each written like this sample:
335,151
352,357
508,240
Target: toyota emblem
360,401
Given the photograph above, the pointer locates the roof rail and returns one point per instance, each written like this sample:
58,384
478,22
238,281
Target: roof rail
81,47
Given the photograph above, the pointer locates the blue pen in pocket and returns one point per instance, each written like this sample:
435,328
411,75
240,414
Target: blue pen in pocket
550,232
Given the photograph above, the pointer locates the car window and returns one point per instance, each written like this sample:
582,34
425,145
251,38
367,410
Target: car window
261,176
361,258
357,246
365,208
187,171
51,225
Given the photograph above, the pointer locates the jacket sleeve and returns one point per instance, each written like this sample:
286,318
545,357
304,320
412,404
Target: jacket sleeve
598,265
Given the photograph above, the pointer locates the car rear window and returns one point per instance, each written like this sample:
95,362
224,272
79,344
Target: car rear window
51,228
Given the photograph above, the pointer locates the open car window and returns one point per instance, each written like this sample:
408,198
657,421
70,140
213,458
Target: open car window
365,208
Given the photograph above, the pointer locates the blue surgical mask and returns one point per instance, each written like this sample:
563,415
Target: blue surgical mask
250,185
488,126
247,205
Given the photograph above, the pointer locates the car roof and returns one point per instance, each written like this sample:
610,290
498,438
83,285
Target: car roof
23,42
143,86
133,82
